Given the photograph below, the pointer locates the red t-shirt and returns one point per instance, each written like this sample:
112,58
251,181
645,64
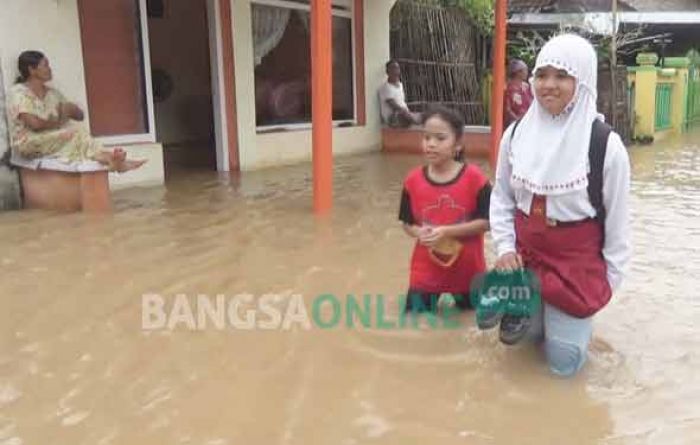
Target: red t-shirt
426,202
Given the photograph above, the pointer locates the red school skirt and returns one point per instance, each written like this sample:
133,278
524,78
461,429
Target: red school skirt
567,258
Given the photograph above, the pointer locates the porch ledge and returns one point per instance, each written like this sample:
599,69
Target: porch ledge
51,184
476,140
55,164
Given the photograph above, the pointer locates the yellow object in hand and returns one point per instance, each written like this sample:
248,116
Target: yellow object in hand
446,252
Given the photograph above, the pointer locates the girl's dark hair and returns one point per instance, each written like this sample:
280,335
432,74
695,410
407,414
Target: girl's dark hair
26,60
453,118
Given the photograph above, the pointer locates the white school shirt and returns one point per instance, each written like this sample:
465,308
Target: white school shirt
390,91
572,206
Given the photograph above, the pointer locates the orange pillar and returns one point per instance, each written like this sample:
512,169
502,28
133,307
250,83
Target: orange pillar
322,103
499,79
229,83
359,17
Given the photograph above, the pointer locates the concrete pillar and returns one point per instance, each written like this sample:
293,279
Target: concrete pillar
499,78
645,96
322,103
679,99
9,181
645,102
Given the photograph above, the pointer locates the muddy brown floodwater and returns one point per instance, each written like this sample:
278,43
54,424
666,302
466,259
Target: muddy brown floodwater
77,368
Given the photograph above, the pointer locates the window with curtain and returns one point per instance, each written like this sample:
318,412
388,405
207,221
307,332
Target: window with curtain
282,53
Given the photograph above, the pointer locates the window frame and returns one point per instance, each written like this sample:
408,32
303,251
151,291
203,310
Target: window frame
339,8
150,136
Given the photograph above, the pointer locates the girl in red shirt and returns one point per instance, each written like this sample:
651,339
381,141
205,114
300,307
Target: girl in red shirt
445,206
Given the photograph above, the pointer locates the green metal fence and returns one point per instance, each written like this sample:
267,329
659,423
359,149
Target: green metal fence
693,104
663,106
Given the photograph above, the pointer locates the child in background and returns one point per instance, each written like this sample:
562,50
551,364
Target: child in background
445,206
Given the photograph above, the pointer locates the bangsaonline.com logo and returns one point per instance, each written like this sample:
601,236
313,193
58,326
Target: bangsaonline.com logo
516,293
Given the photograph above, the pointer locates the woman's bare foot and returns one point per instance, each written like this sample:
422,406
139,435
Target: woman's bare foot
129,164
116,161
118,155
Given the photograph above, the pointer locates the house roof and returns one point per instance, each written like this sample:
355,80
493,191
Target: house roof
565,6
666,5
603,20
525,6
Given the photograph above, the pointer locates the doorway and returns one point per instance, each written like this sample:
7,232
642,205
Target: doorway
179,40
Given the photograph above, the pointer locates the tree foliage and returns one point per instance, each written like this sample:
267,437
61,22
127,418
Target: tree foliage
525,44
480,11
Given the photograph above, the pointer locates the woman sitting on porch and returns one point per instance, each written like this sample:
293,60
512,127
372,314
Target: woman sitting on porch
40,118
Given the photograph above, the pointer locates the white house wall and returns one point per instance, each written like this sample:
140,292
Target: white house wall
51,27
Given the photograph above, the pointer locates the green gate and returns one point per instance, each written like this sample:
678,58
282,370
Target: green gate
663,106
693,105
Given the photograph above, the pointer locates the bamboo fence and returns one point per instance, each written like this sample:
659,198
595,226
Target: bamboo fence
439,51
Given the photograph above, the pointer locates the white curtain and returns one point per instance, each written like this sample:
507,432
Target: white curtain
269,24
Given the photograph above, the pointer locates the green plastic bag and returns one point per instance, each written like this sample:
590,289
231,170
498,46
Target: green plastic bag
514,293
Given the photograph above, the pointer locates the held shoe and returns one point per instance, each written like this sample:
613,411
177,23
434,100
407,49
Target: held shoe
513,328
489,312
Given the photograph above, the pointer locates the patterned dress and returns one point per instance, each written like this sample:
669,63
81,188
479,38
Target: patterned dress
518,98
70,143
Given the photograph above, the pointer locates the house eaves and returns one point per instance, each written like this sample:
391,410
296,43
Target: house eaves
686,18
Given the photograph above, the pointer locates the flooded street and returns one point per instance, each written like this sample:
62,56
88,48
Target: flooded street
77,368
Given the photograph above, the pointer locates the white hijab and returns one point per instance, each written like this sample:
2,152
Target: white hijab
549,154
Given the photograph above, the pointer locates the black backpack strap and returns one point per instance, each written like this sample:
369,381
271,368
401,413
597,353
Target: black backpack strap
515,125
5,159
600,132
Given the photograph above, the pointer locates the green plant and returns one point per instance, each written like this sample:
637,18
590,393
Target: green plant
694,56
525,45
480,11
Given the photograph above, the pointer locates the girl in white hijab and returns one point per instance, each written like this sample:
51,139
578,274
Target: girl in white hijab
541,215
